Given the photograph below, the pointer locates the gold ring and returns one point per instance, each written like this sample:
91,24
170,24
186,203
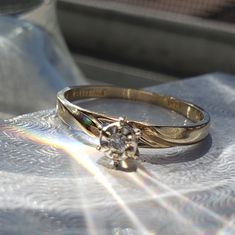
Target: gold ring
119,137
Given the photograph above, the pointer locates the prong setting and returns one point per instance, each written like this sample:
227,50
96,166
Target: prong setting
119,141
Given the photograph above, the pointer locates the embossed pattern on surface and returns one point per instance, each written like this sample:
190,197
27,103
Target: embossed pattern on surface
50,182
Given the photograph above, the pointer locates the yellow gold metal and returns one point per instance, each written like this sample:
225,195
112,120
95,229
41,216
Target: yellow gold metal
152,135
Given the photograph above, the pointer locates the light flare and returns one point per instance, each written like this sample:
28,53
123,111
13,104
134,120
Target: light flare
160,200
184,198
72,147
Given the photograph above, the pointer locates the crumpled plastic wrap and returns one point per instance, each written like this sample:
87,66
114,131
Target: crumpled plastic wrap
33,67
50,182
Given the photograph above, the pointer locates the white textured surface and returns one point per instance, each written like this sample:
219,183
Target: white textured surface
50,182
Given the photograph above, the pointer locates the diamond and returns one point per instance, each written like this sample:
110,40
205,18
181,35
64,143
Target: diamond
119,141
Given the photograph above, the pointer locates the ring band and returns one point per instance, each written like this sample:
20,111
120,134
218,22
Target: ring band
149,135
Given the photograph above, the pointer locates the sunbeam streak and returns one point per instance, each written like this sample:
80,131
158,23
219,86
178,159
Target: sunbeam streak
161,201
185,199
86,162
80,153
90,222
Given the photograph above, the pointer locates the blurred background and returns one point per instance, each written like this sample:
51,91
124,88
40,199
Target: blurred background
46,45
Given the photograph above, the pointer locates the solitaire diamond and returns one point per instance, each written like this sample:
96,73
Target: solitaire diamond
119,141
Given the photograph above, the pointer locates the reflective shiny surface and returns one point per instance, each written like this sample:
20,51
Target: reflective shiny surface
50,182
153,135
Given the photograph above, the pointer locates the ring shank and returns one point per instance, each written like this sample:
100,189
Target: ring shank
188,110
153,135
